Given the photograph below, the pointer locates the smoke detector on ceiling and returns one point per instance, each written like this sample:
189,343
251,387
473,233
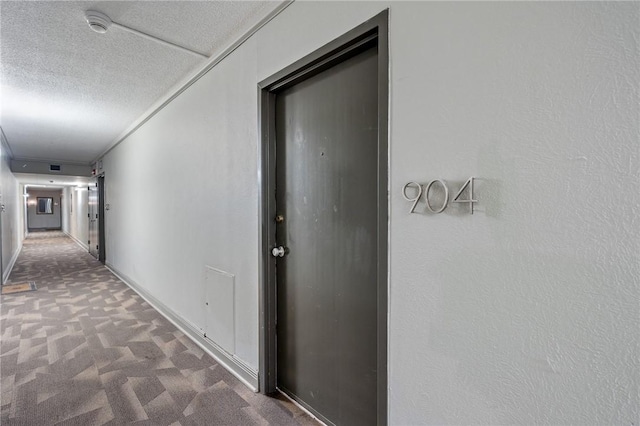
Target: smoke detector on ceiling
98,22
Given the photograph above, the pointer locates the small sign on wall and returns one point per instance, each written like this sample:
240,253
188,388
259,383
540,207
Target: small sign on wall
96,168
415,192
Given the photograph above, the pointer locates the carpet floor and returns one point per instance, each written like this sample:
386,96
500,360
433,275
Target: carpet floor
85,349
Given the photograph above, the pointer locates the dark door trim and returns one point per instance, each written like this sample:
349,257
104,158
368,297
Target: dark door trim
371,33
101,243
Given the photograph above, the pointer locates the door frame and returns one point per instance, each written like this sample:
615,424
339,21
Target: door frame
98,184
348,45
102,256
90,212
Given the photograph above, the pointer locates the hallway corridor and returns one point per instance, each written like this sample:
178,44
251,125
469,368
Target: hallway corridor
84,349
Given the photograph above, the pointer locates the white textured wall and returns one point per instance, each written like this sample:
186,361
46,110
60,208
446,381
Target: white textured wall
11,228
74,214
79,220
526,312
184,186
65,209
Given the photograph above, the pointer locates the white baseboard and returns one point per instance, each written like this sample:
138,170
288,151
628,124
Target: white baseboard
12,262
234,365
80,243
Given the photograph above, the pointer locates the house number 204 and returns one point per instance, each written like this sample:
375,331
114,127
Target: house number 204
420,191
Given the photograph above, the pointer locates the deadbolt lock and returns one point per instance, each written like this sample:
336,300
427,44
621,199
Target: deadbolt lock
279,218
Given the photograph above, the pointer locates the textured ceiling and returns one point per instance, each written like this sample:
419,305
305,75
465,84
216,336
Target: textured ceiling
67,93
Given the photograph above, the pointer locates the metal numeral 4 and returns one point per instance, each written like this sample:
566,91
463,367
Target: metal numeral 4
471,200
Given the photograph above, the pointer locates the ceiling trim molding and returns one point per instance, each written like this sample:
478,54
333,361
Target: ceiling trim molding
213,61
5,143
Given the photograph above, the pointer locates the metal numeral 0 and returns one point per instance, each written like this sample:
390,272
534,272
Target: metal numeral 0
416,198
446,196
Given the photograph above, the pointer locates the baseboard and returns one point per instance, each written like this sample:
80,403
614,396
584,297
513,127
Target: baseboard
80,243
12,262
234,365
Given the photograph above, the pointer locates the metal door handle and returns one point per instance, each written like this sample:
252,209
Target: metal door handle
278,251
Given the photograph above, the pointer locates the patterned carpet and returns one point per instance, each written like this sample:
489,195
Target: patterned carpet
84,349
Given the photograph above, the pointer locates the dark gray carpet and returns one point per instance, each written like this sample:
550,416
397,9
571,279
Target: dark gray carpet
86,350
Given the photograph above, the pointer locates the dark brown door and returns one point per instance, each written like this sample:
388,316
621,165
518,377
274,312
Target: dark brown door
327,194
94,243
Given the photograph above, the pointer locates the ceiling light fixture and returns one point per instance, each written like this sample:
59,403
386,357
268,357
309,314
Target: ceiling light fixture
100,23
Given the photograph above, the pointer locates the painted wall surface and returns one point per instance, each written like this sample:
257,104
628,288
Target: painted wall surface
75,222
10,200
43,221
527,311
23,211
65,209
211,140
78,220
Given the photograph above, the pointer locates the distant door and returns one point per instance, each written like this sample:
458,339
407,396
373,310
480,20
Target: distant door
102,255
96,220
93,213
